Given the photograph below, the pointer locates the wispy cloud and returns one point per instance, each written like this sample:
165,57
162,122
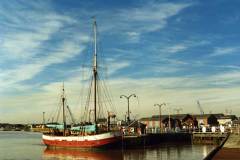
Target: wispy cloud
220,51
176,48
227,78
114,65
31,43
153,15
28,30
133,37
142,19
183,46
27,71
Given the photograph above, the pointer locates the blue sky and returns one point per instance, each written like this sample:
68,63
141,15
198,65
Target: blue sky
164,51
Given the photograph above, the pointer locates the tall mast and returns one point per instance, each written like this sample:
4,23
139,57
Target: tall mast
95,70
64,117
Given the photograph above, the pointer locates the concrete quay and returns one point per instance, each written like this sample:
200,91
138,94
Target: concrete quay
230,150
215,138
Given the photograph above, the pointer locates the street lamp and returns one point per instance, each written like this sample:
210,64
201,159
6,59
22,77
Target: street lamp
128,112
43,118
160,115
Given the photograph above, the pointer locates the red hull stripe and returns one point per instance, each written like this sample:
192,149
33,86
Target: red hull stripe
81,144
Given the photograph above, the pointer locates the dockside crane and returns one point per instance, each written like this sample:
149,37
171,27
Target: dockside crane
200,108
178,110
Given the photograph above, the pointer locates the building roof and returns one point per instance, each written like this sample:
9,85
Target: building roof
208,115
173,116
182,116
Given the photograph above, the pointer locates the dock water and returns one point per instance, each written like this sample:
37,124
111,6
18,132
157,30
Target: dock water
227,146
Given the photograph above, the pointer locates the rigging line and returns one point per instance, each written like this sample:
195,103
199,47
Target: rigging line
58,113
80,97
67,113
110,100
99,98
83,81
83,89
89,98
138,101
71,115
85,116
106,88
99,48
85,99
109,95
59,109
53,112
104,99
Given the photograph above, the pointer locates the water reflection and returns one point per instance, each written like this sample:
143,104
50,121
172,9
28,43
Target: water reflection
162,152
27,145
50,154
205,151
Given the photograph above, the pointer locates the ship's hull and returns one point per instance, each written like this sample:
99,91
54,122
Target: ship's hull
89,141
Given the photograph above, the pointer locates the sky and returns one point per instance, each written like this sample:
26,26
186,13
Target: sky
173,52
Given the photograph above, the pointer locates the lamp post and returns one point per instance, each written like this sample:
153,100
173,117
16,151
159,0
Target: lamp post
160,115
128,112
169,120
43,118
125,115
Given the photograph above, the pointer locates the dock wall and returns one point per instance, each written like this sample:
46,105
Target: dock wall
156,139
208,138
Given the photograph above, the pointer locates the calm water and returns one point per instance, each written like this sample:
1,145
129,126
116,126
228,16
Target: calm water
28,146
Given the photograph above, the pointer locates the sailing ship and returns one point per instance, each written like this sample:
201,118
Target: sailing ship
84,135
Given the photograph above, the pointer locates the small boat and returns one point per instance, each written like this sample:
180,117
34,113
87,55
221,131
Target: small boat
85,135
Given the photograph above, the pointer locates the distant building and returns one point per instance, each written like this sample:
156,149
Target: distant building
207,119
186,121
171,122
226,119
151,123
